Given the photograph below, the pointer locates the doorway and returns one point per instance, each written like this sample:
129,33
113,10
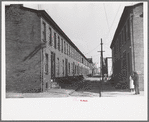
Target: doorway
52,65
66,61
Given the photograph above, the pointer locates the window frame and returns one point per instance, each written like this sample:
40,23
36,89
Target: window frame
44,31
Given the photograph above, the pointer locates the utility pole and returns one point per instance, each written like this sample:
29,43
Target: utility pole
101,63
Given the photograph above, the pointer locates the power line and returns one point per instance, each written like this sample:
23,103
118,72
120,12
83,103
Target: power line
113,20
106,15
91,50
95,55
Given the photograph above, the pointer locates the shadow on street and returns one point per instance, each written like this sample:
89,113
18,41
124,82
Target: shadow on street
91,84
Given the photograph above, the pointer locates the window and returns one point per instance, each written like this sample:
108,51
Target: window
55,40
67,49
69,67
50,37
78,69
46,64
72,68
44,32
75,69
63,67
57,66
62,45
70,51
58,43
82,60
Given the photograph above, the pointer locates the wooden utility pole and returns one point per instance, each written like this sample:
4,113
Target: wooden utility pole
101,63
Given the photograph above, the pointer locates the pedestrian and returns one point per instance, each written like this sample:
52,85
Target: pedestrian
105,78
131,84
135,78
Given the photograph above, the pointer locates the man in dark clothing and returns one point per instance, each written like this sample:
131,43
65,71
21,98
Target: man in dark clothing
135,78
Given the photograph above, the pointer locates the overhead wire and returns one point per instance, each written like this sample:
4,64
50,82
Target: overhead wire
113,21
91,50
106,15
107,24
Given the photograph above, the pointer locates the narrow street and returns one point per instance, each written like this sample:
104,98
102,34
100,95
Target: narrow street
88,88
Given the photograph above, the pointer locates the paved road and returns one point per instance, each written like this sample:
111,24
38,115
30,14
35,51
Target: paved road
88,88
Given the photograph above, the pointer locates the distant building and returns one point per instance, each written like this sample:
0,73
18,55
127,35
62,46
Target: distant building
108,64
90,60
91,66
104,68
128,46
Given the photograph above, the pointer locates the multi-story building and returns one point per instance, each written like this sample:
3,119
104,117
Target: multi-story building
37,50
128,46
108,64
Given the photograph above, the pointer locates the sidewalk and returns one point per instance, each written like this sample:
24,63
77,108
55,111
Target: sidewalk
56,93
49,93
89,88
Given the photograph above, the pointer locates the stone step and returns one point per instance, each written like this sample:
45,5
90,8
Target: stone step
55,85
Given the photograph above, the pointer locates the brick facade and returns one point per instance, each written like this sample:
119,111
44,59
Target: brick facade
29,48
22,38
127,46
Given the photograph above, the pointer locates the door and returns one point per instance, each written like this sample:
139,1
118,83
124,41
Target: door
52,65
66,61
46,68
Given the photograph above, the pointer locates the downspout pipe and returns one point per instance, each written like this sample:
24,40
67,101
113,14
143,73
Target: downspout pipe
132,44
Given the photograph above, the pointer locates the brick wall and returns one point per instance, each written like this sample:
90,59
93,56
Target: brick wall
139,43
23,61
136,36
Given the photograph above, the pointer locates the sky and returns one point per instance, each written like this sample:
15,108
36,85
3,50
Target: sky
86,23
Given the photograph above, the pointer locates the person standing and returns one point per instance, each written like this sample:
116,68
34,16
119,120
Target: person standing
131,84
105,78
136,82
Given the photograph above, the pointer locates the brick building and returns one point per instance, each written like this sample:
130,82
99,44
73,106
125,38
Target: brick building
128,46
37,50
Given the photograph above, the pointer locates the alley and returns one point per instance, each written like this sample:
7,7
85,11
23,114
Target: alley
89,87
